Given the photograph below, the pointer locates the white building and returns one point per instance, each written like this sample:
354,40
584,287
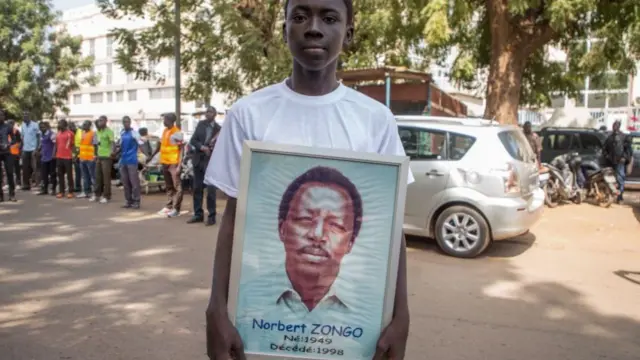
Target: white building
119,94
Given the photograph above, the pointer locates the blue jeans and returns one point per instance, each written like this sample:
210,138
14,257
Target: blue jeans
620,177
88,175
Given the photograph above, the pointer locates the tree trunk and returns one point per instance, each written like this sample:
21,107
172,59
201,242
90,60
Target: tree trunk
503,86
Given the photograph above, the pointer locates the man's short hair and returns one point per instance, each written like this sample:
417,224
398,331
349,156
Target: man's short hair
347,3
170,116
329,176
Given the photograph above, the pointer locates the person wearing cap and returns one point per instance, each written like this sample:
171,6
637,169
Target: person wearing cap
170,149
202,142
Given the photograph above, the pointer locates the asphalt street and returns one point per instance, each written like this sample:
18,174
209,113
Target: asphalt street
85,281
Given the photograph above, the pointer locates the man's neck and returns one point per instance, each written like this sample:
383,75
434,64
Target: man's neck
313,83
312,288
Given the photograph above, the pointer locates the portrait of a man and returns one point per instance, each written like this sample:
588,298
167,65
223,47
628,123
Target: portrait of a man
319,219
313,264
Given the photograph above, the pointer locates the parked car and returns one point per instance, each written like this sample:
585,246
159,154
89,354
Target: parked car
476,182
633,179
556,141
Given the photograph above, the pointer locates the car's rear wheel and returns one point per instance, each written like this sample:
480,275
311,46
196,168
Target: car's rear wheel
462,232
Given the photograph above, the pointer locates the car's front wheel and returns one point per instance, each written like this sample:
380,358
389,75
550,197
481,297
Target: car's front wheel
462,232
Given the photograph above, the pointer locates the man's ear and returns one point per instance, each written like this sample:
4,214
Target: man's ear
284,31
348,37
281,230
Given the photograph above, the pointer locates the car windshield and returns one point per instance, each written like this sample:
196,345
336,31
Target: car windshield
516,145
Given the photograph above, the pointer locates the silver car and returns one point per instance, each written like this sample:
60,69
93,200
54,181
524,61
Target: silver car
476,182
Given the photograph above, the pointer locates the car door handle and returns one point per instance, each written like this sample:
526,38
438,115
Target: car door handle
434,173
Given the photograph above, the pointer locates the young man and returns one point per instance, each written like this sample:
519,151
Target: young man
30,142
170,148
16,139
87,158
310,108
534,141
106,145
617,154
64,159
47,160
128,147
6,159
77,171
202,141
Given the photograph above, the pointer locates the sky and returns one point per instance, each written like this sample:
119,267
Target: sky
68,4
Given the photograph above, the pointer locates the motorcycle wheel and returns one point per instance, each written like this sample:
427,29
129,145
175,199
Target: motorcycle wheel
607,197
548,197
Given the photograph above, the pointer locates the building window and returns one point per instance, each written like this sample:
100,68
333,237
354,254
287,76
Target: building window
77,99
109,73
119,96
132,95
97,98
109,96
109,46
162,93
171,68
92,47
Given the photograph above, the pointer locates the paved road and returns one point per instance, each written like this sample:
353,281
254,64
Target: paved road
89,282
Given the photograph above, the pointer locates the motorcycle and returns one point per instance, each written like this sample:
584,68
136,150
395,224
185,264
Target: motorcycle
600,184
562,183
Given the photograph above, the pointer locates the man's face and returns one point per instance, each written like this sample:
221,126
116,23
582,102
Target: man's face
25,117
126,122
317,232
527,128
210,114
167,123
316,31
72,127
86,126
42,127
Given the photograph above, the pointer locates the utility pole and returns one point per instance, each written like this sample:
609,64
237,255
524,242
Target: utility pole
176,55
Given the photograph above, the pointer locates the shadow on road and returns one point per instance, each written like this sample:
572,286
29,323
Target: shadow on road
631,276
84,282
499,249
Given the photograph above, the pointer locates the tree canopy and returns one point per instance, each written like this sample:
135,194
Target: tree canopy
234,47
510,39
39,64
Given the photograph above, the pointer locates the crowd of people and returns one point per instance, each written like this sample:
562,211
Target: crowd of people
78,162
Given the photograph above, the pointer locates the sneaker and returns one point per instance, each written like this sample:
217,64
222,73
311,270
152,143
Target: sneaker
135,206
6,188
70,196
42,193
104,200
173,213
93,198
164,211
126,206
59,195
18,187
82,195
12,199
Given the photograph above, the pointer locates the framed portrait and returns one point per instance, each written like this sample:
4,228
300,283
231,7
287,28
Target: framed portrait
315,254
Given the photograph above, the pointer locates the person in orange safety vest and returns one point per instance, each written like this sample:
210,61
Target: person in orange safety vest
170,149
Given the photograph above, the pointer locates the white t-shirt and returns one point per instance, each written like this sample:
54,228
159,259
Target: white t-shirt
343,119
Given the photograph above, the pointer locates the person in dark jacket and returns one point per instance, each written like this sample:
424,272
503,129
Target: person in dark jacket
617,154
202,142
6,158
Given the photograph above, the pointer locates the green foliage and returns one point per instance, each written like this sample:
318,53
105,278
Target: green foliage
234,47
530,26
39,65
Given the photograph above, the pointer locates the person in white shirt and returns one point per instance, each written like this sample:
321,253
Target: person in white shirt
310,108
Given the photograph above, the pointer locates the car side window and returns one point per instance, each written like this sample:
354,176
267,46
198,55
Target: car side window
560,141
590,142
422,144
459,145
635,143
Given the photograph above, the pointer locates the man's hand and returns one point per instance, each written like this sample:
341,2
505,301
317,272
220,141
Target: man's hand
393,341
205,149
223,339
